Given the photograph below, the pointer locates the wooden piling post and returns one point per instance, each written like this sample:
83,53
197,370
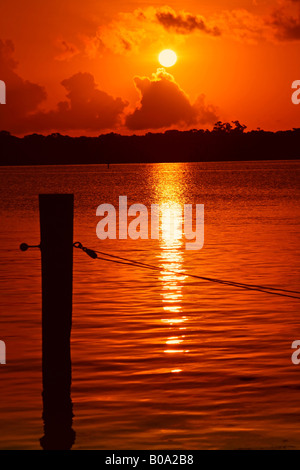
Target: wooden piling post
56,225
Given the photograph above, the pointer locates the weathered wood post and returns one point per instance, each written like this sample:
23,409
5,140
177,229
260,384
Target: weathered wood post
56,224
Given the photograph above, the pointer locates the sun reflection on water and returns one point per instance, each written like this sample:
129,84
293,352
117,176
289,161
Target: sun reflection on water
171,259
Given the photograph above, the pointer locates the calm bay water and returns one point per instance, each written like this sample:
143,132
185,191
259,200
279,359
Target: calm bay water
159,360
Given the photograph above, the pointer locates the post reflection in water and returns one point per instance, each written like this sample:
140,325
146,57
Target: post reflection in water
171,259
58,418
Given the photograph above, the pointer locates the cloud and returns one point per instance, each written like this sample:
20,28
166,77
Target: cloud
125,34
164,104
185,23
93,46
280,24
206,113
132,32
86,108
67,50
22,96
243,26
286,21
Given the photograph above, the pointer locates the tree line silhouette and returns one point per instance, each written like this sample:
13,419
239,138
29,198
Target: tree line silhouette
226,142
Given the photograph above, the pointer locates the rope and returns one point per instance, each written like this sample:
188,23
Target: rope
126,261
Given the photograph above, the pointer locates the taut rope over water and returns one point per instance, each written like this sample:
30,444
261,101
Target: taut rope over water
138,264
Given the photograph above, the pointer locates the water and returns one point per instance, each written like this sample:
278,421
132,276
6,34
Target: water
159,360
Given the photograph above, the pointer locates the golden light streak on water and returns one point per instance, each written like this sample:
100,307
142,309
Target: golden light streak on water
171,257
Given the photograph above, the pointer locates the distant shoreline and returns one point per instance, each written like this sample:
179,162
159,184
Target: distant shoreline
218,145
150,163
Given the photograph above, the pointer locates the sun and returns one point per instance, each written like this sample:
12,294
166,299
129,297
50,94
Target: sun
167,58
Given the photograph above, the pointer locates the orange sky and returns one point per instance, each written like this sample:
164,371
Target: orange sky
92,67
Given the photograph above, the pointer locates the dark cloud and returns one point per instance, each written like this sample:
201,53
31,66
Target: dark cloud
185,23
164,104
22,96
86,107
206,113
283,23
287,26
67,50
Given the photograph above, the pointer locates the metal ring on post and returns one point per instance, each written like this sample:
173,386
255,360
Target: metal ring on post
24,246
